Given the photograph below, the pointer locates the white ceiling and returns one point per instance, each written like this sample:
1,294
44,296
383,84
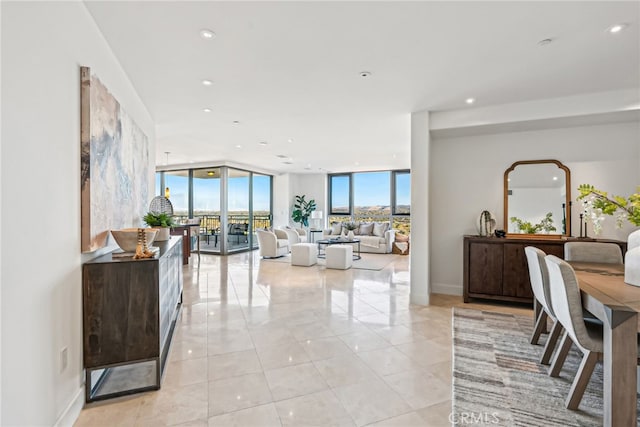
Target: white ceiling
290,70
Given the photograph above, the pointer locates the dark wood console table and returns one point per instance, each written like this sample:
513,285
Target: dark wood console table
496,268
185,232
129,313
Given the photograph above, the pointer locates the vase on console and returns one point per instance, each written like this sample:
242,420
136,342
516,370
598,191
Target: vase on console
632,259
350,235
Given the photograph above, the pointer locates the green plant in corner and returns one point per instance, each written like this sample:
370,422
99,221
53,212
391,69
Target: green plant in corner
598,203
158,219
302,210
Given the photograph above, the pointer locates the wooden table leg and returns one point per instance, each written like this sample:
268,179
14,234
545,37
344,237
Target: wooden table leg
620,357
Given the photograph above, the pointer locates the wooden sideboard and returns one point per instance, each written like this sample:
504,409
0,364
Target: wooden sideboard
185,232
129,313
496,268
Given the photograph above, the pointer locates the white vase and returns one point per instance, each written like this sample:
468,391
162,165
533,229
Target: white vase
632,259
350,235
163,234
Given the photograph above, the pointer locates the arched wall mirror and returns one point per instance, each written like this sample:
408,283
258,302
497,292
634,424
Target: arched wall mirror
537,195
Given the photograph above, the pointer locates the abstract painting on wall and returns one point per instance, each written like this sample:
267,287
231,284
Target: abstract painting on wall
114,165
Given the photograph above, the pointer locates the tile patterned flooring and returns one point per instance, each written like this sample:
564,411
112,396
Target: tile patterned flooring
267,344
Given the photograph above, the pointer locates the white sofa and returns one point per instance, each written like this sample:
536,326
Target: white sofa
272,244
380,242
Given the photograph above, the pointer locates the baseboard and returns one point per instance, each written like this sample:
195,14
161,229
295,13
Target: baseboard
446,288
72,412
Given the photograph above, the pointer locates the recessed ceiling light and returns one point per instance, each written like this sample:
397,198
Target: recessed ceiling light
263,142
207,34
615,29
289,140
207,82
544,42
555,178
238,146
211,173
365,74
206,110
281,156
236,122
288,163
470,100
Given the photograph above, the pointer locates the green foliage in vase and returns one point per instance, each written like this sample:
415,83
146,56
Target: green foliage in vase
158,219
546,224
598,203
349,225
302,210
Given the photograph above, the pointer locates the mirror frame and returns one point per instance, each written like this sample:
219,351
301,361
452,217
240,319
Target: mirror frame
567,232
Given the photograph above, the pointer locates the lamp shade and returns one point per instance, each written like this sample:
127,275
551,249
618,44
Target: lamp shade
316,215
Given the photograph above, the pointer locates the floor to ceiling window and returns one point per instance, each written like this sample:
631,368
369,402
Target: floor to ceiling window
371,197
231,204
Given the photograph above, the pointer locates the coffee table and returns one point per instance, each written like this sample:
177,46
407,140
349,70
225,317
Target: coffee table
322,246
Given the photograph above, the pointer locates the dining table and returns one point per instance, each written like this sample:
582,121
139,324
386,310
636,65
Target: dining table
606,295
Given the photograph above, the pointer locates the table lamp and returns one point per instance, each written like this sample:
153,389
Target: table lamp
316,216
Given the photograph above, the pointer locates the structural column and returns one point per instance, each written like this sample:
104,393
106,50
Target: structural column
420,149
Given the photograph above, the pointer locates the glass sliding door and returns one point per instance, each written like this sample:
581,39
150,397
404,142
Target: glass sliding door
237,229
261,206
206,206
178,184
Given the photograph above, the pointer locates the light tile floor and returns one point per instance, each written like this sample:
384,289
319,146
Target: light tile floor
262,343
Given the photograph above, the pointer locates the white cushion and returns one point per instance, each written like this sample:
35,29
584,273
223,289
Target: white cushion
379,228
304,254
339,257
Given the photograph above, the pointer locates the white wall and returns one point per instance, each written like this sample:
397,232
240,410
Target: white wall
313,186
467,178
43,46
281,190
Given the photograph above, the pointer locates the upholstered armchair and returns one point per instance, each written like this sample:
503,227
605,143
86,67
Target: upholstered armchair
295,235
272,244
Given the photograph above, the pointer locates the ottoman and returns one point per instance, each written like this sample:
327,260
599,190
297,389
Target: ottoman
339,257
304,254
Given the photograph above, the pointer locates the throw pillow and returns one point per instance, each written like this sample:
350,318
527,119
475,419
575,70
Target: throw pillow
366,229
379,228
336,228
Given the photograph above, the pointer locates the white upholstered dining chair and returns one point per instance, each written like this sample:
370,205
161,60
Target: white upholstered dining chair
539,278
598,252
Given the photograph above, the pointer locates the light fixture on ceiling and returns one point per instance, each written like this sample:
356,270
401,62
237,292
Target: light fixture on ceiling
238,146
207,34
281,156
263,143
290,140
287,163
544,42
236,122
206,110
470,100
207,82
365,74
211,173
617,28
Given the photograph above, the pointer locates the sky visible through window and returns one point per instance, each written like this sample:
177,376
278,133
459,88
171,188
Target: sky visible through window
371,189
207,193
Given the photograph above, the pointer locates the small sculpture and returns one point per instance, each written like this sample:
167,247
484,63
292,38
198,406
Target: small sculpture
142,250
486,224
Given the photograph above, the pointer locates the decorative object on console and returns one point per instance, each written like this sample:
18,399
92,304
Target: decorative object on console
349,227
302,210
162,222
500,233
127,238
486,224
114,157
546,225
597,203
142,250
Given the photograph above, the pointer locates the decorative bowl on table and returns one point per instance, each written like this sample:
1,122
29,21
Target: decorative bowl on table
127,238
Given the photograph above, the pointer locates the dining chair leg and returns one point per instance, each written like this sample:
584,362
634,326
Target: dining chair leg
561,355
552,340
582,379
541,324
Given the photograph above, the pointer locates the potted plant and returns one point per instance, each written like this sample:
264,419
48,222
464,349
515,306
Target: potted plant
349,226
302,210
161,221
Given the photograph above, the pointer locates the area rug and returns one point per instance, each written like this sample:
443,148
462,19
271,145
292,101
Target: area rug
497,378
367,261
